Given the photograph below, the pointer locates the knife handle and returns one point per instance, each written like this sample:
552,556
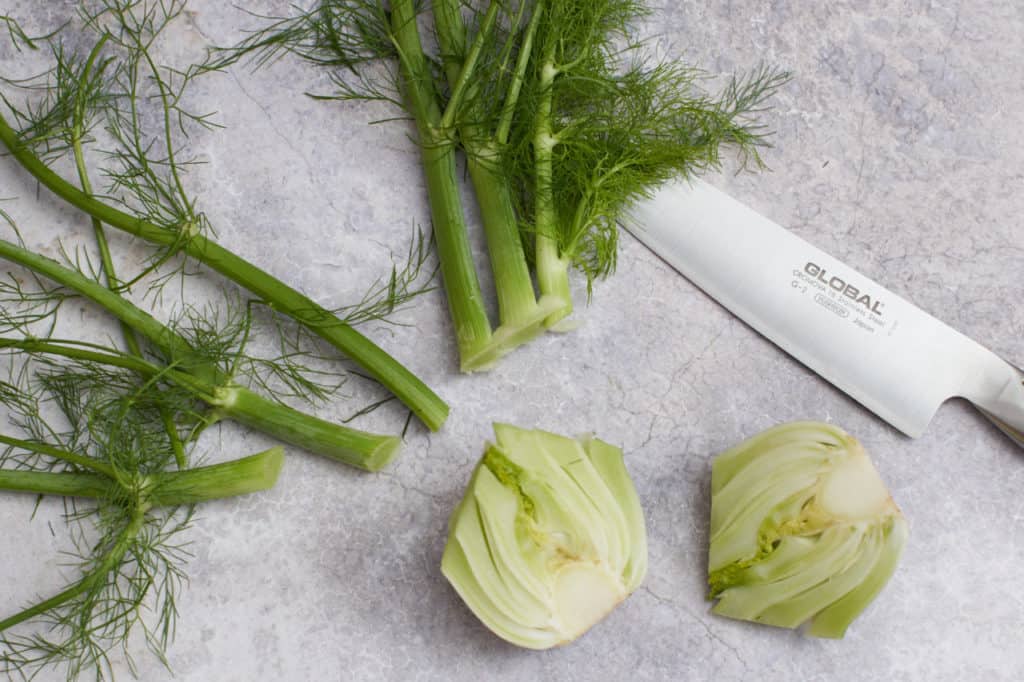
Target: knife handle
1016,435
1007,410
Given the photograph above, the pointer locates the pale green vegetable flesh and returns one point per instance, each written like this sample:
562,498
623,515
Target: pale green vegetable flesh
549,537
803,530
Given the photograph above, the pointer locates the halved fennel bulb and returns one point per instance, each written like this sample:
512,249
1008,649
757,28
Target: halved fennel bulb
549,537
803,530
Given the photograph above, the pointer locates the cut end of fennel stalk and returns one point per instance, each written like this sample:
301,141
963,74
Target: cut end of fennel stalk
244,476
559,320
362,449
803,530
510,334
548,539
383,453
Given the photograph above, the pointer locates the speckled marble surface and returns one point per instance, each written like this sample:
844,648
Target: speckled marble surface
898,150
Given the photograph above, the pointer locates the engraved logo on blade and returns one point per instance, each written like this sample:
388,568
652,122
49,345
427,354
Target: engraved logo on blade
826,302
844,288
839,296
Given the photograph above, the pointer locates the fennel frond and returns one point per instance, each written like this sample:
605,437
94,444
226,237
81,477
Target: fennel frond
103,450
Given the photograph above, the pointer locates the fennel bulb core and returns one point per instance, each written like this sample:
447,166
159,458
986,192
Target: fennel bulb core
584,594
853,490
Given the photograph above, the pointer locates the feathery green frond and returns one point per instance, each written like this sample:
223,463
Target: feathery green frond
97,443
350,39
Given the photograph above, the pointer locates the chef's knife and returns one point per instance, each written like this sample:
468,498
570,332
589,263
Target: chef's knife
889,355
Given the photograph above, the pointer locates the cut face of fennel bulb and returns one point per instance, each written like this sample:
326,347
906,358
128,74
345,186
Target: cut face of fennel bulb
803,529
549,537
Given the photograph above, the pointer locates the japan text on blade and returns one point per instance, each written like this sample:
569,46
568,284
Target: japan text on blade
886,353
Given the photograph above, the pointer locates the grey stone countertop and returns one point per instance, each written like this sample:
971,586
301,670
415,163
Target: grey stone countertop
898,149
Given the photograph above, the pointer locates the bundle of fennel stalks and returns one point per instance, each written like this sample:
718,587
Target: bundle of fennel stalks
111,423
560,114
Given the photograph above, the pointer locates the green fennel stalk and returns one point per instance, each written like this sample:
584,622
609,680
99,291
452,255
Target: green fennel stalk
521,315
79,129
465,298
173,488
552,269
342,35
209,382
600,124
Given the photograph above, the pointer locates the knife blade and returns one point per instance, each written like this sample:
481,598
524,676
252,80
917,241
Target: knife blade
892,357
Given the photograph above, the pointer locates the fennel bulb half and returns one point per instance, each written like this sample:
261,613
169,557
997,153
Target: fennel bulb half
549,537
803,530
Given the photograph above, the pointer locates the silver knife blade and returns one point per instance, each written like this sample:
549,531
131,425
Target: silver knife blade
892,357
